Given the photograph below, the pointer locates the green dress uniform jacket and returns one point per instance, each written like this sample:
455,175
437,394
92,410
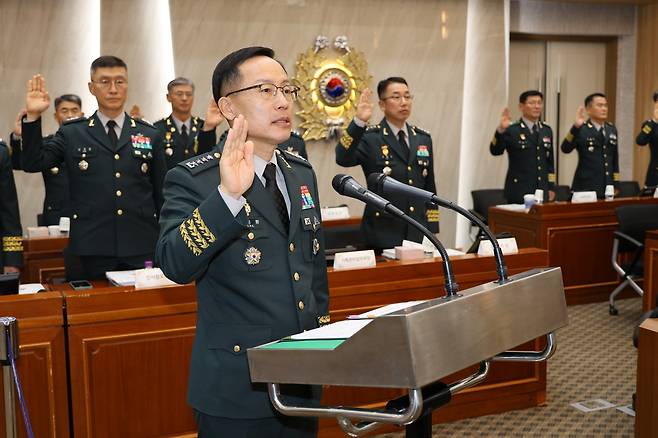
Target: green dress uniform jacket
376,150
531,165
649,135
56,202
11,231
295,144
256,282
175,149
116,195
598,157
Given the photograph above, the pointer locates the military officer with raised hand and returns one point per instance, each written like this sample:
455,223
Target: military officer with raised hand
185,135
395,148
116,167
649,136
55,180
595,139
246,227
529,145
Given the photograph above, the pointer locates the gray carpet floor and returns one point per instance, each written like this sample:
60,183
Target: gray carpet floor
595,359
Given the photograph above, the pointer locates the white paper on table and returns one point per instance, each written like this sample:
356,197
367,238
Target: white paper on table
30,288
121,278
337,330
385,310
511,207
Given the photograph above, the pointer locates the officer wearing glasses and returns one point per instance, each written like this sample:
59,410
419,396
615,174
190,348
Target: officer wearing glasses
397,149
245,225
185,135
116,167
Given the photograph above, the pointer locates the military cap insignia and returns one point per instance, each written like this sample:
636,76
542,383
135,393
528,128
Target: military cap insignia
252,256
329,87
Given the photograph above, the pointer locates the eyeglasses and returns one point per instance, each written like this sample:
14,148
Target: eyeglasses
398,98
183,93
269,91
107,83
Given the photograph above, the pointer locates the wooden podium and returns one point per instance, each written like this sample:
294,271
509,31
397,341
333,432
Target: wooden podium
578,238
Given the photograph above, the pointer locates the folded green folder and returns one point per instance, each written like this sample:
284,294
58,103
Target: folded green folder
311,344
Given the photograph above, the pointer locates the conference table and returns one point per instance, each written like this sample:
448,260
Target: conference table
578,238
127,351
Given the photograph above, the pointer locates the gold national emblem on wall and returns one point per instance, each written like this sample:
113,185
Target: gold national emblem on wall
330,85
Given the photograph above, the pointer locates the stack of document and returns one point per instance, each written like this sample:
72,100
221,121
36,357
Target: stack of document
121,278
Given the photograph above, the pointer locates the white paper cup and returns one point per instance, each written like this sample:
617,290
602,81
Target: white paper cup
64,224
529,200
539,196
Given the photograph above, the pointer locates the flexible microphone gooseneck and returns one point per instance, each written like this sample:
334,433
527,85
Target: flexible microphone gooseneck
348,186
389,186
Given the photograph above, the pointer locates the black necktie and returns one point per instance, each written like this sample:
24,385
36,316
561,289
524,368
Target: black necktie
403,143
183,134
272,187
112,133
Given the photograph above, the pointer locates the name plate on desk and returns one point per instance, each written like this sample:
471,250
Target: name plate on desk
355,259
151,277
581,197
507,246
334,213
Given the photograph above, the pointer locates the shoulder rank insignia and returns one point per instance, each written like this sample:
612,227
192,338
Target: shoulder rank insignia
415,129
294,158
373,128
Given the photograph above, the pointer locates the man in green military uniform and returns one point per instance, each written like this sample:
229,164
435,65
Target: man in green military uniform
529,145
11,232
116,167
649,136
55,180
247,228
595,139
397,149
184,135
295,144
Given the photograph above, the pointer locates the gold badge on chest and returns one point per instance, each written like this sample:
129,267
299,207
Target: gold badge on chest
145,167
83,165
169,152
252,256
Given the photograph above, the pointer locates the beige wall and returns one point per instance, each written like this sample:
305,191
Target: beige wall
457,71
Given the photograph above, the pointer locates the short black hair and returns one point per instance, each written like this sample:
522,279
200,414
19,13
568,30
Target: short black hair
179,81
526,94
107,61
227,70
590,98
655,96
73,98
383,84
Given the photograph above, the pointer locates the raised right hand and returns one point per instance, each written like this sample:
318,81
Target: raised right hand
364,106
37,100
236,166
581,116
505,120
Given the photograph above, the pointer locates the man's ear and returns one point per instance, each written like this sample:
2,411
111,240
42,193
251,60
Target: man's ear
168,98
381,105
91,90
226,108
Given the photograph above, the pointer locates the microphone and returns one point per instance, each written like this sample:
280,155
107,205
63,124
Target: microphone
348,186
389,186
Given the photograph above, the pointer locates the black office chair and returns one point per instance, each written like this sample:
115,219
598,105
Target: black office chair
634,221
563,193
485,198
628,189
